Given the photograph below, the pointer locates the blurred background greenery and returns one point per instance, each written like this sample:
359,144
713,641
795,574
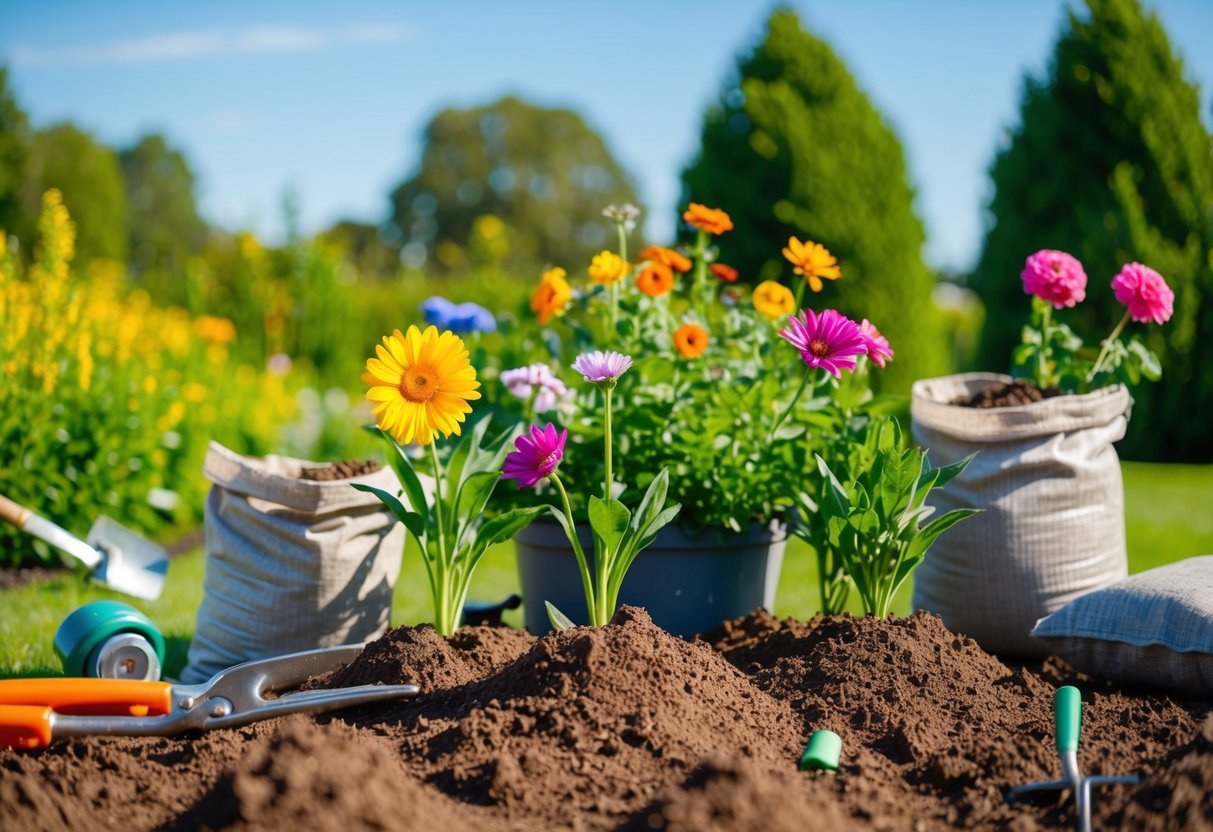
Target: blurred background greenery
132,332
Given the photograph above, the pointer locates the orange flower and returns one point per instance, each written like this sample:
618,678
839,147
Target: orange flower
773,299
711,220
691,340
607,268
655,279
667,257
726,273
552,295
813,261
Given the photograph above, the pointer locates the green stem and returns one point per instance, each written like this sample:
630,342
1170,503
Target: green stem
799,295
804,382
701,273
1042,357
1107,345
604,558
443,561
582,564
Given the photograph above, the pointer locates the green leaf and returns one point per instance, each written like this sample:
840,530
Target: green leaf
412,521
1151,368
931,531
409,481
468,444
840,503
609,520
502,528
949,472
559,620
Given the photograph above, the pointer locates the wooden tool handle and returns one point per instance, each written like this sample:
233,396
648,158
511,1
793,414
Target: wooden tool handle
12,512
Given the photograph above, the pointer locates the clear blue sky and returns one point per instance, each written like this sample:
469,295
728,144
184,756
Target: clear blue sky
331,98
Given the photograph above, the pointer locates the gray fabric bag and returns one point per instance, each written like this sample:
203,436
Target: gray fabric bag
1052,527
291,564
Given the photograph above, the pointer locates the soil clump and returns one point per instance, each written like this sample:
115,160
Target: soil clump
628,727
343,470
1008,394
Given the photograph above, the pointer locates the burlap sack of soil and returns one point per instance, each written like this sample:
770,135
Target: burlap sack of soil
1052,523
291,564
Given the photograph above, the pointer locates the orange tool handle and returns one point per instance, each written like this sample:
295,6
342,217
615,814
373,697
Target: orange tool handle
25,726
106,697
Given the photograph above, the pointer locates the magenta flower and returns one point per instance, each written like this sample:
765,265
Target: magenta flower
1056,277
876,344
600,367
1145,293
829,340
536,456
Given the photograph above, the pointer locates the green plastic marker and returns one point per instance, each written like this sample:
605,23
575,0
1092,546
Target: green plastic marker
822,753
1067,716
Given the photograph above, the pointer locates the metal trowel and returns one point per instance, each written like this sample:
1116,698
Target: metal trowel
118,557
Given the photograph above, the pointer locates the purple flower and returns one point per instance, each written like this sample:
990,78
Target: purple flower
1056,277
600,367
829,340
876,344
524,381
1144,292
536,456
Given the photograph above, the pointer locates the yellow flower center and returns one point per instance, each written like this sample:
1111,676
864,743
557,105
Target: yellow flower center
418,384
818,347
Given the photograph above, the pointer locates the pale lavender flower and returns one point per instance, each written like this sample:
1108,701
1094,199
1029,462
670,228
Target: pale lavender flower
537,380
602,368
626,215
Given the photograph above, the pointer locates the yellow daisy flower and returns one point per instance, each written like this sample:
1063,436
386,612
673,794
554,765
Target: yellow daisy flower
608,267
421,384
812,260
774,299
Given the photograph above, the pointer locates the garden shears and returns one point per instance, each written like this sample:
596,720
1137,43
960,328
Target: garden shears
35,712
1067,708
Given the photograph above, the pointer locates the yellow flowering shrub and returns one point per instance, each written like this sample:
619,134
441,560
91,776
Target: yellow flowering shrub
108,399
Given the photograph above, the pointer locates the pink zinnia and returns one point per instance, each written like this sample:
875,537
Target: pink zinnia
1056,277
597,367
536,456
1145,293
877,345
829,340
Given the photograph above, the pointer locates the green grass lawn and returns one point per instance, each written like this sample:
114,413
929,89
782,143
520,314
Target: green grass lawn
1166,514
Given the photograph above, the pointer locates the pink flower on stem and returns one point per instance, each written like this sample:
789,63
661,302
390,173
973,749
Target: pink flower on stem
1056,277
536,456
829,340
536,379
877,345
600,367
1145,293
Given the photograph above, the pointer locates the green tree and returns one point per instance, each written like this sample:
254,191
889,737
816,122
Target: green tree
511,183
14,147
88,175
1111,163
164,227
793,146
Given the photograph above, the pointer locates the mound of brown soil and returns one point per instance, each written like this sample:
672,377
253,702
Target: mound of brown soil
1009,394
629,727
342,470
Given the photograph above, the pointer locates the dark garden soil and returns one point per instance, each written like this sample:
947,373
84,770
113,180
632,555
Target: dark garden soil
628,727
1009,394
343,470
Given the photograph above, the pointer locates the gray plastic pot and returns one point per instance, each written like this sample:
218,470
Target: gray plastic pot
689,583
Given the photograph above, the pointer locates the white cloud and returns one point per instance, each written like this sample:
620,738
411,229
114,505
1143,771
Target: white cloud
208,43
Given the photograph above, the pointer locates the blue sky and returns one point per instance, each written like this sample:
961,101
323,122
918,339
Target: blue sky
331,99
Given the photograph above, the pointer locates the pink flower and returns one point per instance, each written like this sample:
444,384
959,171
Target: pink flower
536,456
600,367
877,345
536,378
1056,277
829,340
1145,293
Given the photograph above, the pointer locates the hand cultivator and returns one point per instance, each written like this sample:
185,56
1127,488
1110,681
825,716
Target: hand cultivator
34,712
1067,704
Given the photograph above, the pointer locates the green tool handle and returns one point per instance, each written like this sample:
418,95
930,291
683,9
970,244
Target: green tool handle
1067,708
